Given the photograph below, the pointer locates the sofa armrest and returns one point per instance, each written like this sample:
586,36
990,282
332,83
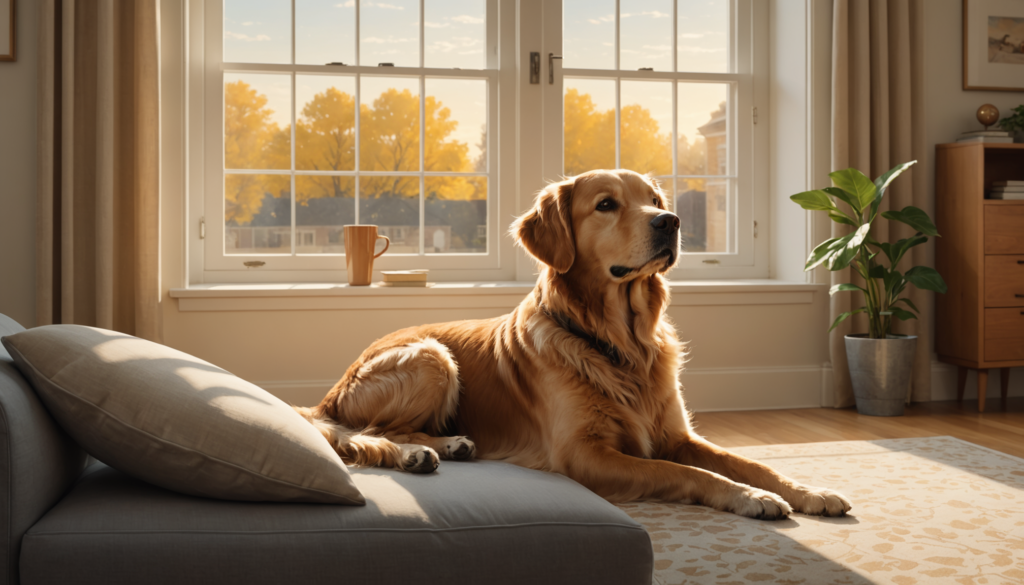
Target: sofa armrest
38,462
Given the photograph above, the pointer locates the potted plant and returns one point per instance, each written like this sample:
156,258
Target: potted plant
880,361
1014,123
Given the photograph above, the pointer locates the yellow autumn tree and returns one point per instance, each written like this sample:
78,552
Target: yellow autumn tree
248,131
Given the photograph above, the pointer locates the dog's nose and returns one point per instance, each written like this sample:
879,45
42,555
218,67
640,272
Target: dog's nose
665,222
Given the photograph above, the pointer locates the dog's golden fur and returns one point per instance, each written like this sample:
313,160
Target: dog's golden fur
582,378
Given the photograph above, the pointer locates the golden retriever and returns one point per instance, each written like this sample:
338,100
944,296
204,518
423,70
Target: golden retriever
582,378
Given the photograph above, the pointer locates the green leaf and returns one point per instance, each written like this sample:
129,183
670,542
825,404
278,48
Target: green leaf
840,217
814,200
854,182
926,278
843,256
821,253
849,199
901,314
877,271
899,249
843,316
915,218
844,287
909,303
883,181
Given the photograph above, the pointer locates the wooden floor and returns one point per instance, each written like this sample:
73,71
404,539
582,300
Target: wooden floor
1000,427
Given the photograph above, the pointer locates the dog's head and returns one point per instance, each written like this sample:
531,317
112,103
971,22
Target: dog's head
610,224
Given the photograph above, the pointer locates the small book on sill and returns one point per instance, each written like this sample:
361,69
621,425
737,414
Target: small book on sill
987,139
1008,184
1009,189
1007,195
406,284
404,275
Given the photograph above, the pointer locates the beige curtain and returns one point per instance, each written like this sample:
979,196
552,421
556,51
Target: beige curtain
98,135
877,123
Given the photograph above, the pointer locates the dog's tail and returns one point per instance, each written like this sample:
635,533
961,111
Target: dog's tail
354,447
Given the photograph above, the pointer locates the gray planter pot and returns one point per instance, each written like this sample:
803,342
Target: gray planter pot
880,370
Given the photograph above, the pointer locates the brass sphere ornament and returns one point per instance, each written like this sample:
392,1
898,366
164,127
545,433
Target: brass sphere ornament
988,115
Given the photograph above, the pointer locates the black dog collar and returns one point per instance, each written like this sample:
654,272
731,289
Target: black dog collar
601,346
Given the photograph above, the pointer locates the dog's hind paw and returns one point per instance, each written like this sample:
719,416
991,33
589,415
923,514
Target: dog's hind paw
820,502
458,448
419,459
754,503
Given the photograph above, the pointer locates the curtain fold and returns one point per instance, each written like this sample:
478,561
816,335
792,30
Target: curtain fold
98,188
877,123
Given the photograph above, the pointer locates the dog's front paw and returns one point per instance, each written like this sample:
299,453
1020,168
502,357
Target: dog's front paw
419,459
754,503
819,502
458,448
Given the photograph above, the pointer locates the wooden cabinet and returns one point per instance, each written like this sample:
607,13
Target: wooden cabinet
979,323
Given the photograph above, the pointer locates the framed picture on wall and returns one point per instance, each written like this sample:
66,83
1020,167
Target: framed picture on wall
994,45
7,44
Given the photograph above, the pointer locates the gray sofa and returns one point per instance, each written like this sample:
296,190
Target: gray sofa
470,522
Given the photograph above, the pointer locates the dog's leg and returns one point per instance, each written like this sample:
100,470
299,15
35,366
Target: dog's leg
697,452
620,478
456,448
356,448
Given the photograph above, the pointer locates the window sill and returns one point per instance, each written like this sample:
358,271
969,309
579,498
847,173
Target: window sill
468,295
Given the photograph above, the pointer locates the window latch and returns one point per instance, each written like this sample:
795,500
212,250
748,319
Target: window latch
253,263
755,115
534,68
202,228
551,67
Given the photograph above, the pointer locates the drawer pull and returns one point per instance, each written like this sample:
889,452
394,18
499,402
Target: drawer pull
1020,261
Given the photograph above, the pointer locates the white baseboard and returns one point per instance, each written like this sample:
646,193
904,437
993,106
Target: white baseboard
740,388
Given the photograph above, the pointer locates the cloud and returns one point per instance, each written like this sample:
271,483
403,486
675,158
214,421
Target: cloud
658,47
245,37
436,24
656,14
691,36
467,19
383,5
460,45
349,4
380,41
250,23
686,49
602,19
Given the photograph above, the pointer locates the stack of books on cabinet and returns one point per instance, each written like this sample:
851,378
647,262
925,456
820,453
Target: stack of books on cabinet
1007,190
987,136
405,278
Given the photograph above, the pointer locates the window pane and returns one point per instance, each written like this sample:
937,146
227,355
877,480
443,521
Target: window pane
456,132
389,33
455,217
588,34
257,31
703,132
257,214
703,36
646,131
389,119
589,125
645,34
325,32
325,128
257,121
323,205
393,205
703,209
454,33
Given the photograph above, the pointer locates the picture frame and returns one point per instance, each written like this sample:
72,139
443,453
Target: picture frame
8,44
993,49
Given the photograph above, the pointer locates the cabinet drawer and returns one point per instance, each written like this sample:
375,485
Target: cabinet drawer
1004,281
1004,334
1004,229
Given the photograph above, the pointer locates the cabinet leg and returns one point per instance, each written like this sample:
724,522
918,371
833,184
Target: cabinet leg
1004,382
961,382
982,386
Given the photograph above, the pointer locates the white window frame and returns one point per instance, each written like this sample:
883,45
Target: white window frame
209,263
524,147
747,256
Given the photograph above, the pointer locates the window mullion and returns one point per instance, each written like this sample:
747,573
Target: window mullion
423,148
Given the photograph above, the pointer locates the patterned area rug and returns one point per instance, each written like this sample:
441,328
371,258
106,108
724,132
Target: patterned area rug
929,510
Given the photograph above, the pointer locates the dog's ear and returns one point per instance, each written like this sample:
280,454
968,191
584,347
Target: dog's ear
546,230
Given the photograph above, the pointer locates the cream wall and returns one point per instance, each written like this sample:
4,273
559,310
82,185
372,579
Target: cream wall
18,173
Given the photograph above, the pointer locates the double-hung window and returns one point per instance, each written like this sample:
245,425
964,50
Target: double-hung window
667,87
324,113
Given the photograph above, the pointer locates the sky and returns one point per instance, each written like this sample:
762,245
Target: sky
259,31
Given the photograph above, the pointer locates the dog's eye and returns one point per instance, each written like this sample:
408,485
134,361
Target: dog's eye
657,203
606,205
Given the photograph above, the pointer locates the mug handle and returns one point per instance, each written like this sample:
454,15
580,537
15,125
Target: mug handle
387,244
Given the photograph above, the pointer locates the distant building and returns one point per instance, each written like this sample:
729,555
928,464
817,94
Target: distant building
716,154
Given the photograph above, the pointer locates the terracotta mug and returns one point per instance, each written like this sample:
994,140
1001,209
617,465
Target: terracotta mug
359,243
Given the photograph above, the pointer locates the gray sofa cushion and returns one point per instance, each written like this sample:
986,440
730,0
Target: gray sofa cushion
38,462
471,522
